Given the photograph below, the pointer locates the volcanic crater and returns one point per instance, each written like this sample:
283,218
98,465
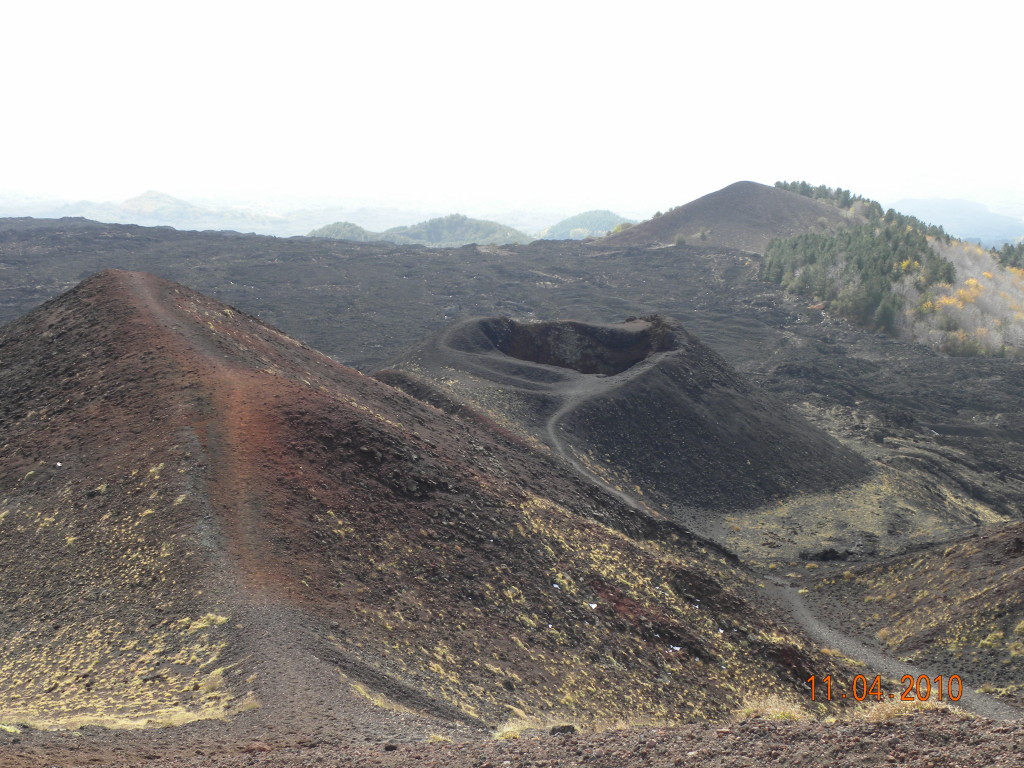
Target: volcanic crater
640,404
582,347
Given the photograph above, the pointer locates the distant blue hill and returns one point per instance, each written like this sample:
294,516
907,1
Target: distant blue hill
965,219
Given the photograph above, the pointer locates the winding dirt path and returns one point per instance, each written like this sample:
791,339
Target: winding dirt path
790,600
553,429
787,598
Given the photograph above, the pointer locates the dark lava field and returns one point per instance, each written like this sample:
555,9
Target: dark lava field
294,502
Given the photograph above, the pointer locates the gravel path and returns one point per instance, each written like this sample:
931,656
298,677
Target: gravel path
787,598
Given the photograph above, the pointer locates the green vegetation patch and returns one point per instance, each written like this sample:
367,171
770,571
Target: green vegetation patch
861,273
1010,255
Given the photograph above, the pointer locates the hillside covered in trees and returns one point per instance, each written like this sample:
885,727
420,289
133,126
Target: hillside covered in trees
858,272
1011,255
902,276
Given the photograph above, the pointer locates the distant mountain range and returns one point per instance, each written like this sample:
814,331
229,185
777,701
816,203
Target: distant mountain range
446,231
457,230
154,209
966,220
359,222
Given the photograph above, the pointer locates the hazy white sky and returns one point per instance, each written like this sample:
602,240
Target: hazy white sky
470,105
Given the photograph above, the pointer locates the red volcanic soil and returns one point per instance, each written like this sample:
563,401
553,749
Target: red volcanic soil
204,521
745,216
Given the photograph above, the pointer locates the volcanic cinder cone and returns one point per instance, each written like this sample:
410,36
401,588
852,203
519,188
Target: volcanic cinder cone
641,403
201,518
745,215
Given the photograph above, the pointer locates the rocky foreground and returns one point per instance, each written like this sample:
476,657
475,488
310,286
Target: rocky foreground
927,740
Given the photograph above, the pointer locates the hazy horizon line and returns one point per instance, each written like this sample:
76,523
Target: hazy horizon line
283,204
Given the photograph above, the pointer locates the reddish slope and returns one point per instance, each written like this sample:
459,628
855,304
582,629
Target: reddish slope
745,216
200,516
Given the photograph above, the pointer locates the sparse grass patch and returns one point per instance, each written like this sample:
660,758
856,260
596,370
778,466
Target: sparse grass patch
213,681
248,704
204,622
515,726
992,640
380,700
882,711
621,724
771,707
10,729
168,716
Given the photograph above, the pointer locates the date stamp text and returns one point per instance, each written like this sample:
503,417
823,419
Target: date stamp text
861,688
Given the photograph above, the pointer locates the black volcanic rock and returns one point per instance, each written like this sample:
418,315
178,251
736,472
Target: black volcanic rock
582,347
644,399
944,433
